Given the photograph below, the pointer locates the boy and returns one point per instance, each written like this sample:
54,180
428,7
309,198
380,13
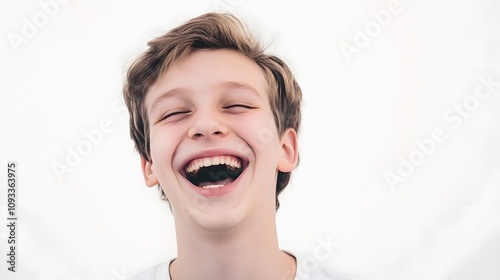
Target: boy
215,121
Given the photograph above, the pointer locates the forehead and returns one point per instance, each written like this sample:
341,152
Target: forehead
204,71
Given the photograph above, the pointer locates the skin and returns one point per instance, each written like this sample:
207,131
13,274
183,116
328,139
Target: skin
217,102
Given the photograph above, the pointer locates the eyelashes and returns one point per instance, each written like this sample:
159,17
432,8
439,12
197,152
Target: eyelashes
174,114
239,106
177,115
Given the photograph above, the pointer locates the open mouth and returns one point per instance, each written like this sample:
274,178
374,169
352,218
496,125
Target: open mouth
214,172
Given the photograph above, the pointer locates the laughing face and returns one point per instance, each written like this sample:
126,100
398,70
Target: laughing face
215,149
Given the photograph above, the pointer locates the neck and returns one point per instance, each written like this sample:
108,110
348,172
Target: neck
248,251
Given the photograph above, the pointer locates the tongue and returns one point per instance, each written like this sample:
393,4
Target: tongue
222,182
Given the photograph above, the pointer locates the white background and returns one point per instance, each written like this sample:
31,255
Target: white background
361,116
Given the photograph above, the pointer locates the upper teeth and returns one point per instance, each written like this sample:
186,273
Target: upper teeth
195,165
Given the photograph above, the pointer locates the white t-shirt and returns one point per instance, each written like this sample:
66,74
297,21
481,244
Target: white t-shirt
161,272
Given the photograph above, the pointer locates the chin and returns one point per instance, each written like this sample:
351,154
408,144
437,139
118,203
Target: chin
220,219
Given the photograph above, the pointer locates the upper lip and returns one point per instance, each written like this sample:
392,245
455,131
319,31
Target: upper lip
211,153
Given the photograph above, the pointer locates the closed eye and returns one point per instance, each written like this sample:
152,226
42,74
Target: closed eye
174,115
239,105
238,108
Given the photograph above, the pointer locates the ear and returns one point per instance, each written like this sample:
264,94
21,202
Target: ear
148,173
289,151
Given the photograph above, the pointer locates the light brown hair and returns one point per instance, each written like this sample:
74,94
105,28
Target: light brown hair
209,31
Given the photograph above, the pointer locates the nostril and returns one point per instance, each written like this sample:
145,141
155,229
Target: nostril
201,134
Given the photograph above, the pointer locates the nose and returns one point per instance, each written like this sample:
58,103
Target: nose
207,124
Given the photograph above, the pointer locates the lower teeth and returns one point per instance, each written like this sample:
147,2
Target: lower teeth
213,186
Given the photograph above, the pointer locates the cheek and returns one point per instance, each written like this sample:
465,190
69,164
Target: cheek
264,134
262,137
162,148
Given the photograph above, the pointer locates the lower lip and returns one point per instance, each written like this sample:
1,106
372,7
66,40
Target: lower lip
214,192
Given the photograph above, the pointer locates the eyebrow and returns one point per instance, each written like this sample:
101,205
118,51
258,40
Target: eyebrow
166,95
224,85
238,85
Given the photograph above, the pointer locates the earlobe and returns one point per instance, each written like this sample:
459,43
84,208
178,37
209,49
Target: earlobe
289,151
148,173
